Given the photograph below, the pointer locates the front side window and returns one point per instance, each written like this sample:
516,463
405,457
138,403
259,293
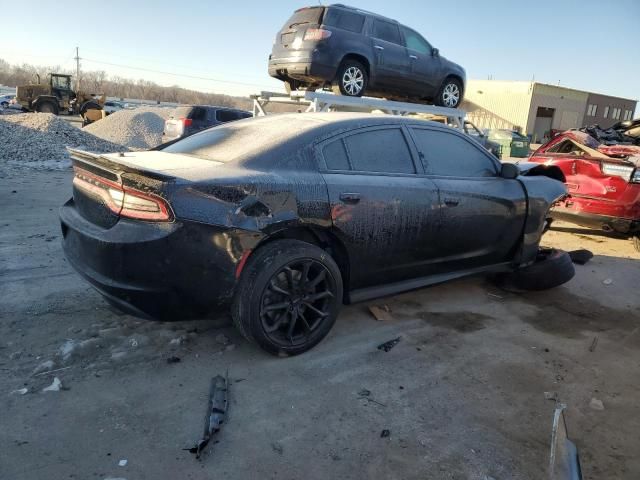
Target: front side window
450,155
387,31
415,42
375,151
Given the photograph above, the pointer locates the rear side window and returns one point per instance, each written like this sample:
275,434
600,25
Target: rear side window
414,41
227,115
350,21
387,31
449,155
379,151
335,156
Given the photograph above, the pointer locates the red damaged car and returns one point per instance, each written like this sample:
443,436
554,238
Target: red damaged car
602,170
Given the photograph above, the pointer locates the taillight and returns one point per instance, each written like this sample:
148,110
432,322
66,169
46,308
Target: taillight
615,169
316,34
124,201
186,122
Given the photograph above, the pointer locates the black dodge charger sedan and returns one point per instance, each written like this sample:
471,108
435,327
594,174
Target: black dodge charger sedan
283,218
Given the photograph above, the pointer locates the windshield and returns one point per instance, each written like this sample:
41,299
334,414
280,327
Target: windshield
61,82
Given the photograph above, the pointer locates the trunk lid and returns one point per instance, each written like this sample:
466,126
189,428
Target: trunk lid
98,178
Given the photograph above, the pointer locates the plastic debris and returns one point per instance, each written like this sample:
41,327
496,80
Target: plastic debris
216,413
596,404
607,281
381,313
21,391
123,462
56,386
386,346
44,367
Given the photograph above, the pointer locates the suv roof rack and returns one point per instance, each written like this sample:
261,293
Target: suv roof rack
328,102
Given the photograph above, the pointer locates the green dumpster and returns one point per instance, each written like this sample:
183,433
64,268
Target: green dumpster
512,143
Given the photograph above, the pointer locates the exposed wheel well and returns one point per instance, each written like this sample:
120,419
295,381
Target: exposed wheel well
359,58
324,239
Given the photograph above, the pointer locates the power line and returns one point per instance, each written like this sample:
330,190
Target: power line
196,77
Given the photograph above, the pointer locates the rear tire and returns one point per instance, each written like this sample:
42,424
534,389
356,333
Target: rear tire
351,79
450,94
273,294
47,107
552,268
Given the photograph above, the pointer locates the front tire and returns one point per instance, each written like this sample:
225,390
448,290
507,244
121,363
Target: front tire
551,269
47,107
351,79
288,297
450,94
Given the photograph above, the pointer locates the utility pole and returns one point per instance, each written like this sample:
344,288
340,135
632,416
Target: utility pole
77,59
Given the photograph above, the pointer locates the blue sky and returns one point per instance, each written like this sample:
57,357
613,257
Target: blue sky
571,42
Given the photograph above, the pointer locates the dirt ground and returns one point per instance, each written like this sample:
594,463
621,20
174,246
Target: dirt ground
462,394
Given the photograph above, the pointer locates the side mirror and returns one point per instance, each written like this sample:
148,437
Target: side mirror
509,171
435,52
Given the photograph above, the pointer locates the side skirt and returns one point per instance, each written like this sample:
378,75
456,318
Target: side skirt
363,294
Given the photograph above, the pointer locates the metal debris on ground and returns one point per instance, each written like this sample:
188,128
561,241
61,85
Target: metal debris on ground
594,344
216,413
564,461
21,391
123,462
365,394
581,256
386,346
385,433
607,281
381,313
493,295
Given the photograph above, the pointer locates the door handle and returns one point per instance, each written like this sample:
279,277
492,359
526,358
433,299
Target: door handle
378,47
451,202
413,57
350,197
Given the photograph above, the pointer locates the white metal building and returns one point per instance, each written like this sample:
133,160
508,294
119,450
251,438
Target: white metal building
538,108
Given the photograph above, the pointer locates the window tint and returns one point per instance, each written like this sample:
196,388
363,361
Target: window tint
226,115
450,155
386,31
198,113
335,156
415,42
346,20
380,151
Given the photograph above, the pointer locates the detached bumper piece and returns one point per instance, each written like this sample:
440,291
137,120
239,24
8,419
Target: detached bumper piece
564,462
216,413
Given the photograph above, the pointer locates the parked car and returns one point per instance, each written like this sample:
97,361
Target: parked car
602,171
189,119
283,218
356,52
5,100
512,143
112,106
482,138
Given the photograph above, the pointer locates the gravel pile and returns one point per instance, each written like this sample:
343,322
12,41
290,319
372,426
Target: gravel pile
39,140
138,129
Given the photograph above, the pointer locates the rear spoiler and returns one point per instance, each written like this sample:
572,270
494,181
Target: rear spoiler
101,164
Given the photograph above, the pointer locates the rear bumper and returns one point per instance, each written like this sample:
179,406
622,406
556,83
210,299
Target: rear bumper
625,226
298,69
166,271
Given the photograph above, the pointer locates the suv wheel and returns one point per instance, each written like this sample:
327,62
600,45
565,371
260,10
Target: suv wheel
351,79
450,94
288,297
